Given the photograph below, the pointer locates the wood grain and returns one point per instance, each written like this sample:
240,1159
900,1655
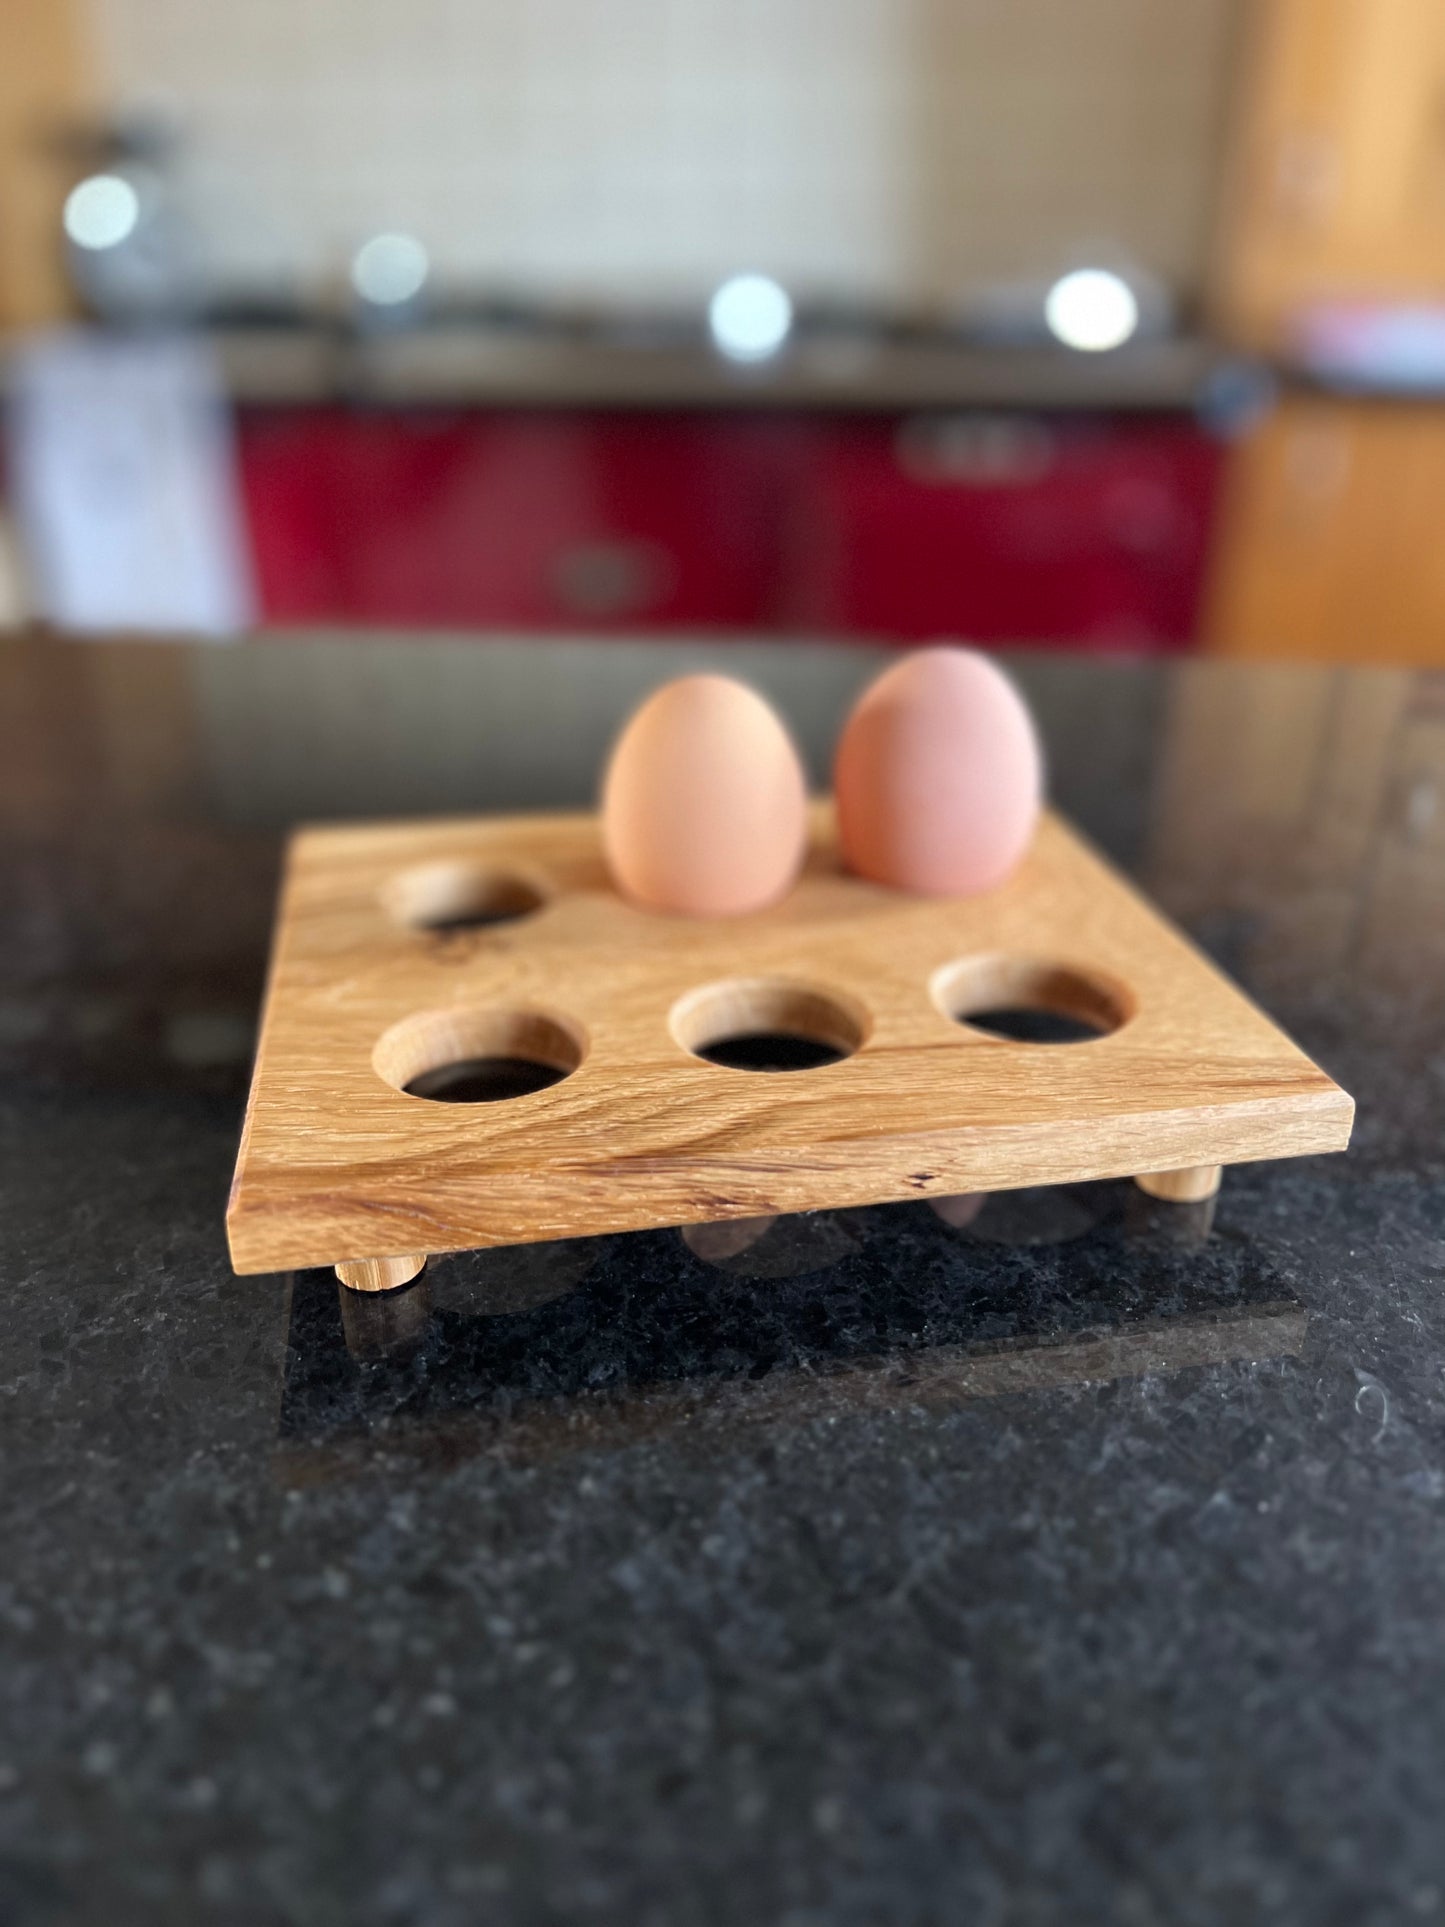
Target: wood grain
338,1165
380,1274
1336,175
1328,547
45,88
1190,1186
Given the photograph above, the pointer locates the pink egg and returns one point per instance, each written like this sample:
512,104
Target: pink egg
939,776
704,804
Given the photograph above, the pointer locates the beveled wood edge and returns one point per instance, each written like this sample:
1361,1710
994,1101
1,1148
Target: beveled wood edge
1320,1124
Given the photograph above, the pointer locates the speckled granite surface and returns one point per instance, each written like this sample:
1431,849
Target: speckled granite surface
1086,1562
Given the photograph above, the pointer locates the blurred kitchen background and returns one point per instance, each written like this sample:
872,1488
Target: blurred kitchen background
1116,323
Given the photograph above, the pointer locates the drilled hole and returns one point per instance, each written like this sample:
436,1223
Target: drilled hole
768,1024
483,1080
771,1050
461,896
1022,1026
1028,1002
478,1056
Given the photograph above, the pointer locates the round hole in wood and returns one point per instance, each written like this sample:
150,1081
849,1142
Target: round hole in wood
478,1056
768,1024
458,895
1029,1002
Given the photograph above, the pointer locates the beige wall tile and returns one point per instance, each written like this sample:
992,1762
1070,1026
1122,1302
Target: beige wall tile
897,149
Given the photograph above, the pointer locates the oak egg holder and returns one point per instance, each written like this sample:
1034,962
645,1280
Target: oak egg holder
404,947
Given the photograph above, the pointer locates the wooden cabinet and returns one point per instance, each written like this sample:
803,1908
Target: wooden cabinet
1337,186
1331,541
1332,536
45,89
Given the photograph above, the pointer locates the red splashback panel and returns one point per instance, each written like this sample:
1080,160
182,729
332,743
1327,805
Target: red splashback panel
1001,528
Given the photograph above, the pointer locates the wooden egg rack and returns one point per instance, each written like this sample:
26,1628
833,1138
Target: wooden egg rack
377,979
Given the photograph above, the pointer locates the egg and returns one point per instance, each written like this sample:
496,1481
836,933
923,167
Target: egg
938,777
704,801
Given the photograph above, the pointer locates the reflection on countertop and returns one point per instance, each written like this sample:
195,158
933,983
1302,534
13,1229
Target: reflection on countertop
588,1343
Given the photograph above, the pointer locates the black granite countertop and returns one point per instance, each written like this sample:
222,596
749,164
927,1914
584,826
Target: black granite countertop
1085,1562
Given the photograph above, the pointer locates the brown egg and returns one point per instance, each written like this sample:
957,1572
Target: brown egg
704,803
938,776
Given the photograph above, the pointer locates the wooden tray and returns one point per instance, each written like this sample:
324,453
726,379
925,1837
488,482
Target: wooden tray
339,1166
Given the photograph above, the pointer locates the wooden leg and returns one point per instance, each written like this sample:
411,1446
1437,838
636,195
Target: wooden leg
380,1274
1190,1186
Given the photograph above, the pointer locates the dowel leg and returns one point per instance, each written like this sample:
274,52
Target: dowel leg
380,1274
1189,1186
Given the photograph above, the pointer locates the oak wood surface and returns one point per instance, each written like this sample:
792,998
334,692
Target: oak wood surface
338,1165
1190,1186
381,1274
